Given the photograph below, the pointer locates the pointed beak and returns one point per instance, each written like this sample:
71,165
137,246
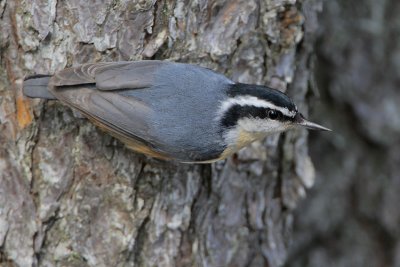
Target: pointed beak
300,120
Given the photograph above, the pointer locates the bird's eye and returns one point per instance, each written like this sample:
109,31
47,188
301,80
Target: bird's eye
273,114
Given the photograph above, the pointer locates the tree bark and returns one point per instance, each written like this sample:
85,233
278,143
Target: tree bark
71,195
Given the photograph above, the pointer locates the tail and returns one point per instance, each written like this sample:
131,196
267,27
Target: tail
36,87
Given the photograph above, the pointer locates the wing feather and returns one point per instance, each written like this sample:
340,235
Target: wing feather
137,74
90,88
82,74
110,75
124,117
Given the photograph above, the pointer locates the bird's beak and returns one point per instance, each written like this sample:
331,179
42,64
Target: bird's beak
300,120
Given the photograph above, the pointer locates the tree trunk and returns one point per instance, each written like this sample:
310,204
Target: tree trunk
71,195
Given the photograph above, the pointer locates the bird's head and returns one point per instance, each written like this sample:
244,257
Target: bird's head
252,112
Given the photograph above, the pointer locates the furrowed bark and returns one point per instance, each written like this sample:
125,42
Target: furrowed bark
70,195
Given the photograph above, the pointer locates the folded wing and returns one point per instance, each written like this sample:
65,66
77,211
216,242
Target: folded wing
95,90
111,75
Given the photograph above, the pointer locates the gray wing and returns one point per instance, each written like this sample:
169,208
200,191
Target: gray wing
122,117
111,75
110,109
89,88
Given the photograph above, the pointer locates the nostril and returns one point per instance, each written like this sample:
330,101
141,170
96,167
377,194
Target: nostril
299,117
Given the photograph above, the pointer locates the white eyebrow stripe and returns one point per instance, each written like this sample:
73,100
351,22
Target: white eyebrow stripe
253,101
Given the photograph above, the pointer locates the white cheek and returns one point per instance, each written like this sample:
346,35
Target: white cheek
262,125
231,136
258,128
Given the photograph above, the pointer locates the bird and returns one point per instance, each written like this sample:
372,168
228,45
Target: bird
170,110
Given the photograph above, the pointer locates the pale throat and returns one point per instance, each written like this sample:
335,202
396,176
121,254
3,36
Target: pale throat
241,136
249,130
237,138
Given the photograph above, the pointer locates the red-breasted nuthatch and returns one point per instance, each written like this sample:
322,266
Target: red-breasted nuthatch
171,110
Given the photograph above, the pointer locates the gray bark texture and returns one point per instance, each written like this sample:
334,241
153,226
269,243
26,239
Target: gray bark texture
352,215
71,195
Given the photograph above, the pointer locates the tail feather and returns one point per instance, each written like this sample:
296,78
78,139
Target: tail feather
36,87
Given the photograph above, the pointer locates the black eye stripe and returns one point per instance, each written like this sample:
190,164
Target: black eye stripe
237,112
